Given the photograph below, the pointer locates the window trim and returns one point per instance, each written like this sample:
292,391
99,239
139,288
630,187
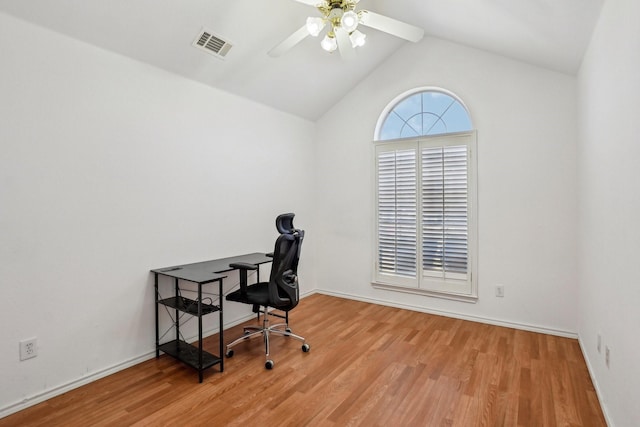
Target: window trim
378,281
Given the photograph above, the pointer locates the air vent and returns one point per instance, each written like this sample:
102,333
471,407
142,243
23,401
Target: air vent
212,44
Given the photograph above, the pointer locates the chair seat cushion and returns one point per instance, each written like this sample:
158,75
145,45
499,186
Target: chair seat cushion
257,293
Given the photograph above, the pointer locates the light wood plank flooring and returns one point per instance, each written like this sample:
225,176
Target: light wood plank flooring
369,365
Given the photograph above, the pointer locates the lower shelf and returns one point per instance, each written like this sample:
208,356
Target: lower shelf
188,354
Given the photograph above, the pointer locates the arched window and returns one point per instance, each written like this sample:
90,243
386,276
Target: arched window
428,112
425,196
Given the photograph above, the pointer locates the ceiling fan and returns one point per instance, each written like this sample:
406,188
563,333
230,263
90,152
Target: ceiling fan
342,20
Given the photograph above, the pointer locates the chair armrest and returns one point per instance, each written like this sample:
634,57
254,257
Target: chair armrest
243,266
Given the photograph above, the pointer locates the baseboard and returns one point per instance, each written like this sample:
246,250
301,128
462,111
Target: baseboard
455,315
594,380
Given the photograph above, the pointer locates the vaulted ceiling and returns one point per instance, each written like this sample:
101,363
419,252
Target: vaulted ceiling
307,81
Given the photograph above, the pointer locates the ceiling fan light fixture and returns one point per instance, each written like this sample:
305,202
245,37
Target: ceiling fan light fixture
339,20
315,25
357,39
329,43
349,21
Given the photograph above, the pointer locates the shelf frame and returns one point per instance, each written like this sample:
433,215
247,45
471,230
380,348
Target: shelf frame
189,354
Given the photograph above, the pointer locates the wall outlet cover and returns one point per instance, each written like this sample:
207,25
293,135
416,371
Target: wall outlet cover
28,348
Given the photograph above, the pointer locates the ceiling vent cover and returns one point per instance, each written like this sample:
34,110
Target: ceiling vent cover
212,44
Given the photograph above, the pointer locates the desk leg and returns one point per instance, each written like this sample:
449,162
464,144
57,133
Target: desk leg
157,326
177,321
256,308
200,375
221,321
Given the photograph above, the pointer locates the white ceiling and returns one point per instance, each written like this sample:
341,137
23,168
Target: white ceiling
307,81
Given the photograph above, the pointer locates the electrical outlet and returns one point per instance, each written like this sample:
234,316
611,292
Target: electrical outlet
599,343
500,291
607,355
28,348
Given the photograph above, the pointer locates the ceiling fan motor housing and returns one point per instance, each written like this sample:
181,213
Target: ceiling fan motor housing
333,10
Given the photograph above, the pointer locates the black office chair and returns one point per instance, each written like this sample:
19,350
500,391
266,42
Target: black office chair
281,292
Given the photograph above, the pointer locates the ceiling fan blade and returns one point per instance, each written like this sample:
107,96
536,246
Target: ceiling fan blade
289,42
310,2
391,26
344,44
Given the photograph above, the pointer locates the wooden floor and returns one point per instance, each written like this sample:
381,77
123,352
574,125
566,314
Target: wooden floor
369,365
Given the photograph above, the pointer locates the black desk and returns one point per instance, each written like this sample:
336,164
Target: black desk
200,273
202,270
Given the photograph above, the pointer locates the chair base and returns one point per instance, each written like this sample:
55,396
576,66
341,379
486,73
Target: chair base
265,331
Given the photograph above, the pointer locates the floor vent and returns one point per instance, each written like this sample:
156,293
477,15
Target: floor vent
212,44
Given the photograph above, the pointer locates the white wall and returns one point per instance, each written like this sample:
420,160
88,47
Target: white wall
525,117
108,168
609,89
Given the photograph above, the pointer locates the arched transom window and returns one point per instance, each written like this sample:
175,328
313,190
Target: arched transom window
428,112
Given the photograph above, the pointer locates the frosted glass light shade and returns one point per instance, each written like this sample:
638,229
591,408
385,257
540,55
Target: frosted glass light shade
315,25
329,43
349,21
358,39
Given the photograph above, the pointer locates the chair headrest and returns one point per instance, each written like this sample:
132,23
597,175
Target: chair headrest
284,223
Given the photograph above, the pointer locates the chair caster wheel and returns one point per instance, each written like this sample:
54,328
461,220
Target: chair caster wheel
269,364
306,348
229,353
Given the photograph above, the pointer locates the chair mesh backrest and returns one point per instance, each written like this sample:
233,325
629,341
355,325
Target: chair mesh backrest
283,283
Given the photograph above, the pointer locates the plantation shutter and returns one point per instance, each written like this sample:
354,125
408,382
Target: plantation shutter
397,212
445,247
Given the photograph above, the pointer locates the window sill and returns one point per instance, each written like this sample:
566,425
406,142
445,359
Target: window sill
417,291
